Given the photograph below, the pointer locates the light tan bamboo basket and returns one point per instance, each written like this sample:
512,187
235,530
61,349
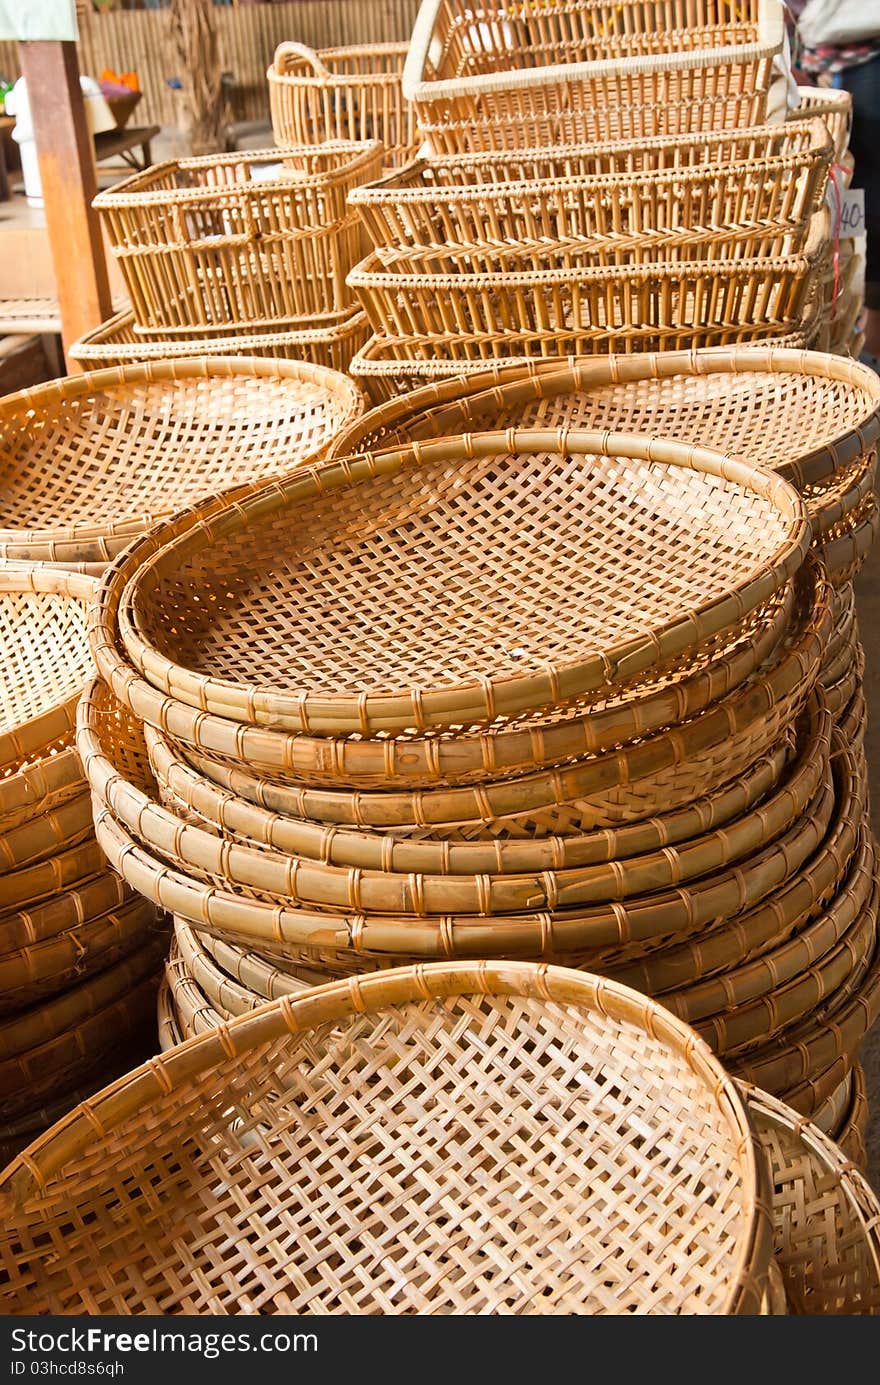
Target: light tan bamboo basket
811,417
342,94
530,77
231,240
717,583
826,1218
116,343
390,366
44,665
833,108
171,1121
654,307
90,461
745,196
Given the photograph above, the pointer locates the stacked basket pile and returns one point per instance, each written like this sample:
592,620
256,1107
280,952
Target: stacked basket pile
81,951
524,232
536,694
242,254
597,1157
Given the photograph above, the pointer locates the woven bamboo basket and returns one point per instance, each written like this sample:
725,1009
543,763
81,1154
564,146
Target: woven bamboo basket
655,775
116,343
813,417
30,974
88,462
250,239
717,582
654,307
39,784
832,1116
171,1117
280,871
42,631
671,694
851,1137
660,844
388,367
833,108
52,831
342,94
846,546
579,932
509,88
819,1200
466,213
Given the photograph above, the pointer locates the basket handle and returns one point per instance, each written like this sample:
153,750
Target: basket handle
303,52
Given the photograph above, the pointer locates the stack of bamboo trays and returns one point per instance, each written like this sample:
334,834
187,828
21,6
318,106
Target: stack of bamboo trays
697,225
657,1184
81,953
89,462
238,254
547,694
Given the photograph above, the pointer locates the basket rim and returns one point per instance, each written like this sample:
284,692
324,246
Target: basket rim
487,696
341,51
33,400
363,275
131,192
107,334
386,190
419,87
30,1174
589,372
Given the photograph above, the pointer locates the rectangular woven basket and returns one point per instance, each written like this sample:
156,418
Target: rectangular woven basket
532,74
251,239
749,195
652,307
342,93
116,342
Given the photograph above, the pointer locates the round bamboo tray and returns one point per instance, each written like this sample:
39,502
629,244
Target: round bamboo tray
750,537
40,783
810,416
666,697
229,995
55,830
32,973
477,1016
854,719
44,660
845,547
93,460
23,1034
199,798
29,885
169,1030
587,308
853,1131
349,93
663,696
819,1200
576,932
71,909
823,1047
742,196
226,850
116,343
44,1073
247,239
640,780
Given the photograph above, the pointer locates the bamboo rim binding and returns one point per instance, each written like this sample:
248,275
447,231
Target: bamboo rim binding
548,1001
783,544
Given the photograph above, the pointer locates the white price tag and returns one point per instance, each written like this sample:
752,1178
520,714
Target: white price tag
852,212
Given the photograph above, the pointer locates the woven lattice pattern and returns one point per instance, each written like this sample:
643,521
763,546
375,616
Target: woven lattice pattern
148,441
44,656
493,565
473,1155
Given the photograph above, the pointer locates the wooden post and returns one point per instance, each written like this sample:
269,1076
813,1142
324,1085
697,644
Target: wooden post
67,173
